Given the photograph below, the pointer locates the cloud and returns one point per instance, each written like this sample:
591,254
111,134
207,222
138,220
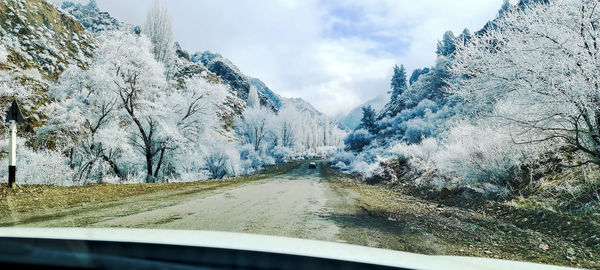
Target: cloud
335,54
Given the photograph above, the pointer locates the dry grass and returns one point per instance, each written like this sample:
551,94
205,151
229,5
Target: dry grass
455,226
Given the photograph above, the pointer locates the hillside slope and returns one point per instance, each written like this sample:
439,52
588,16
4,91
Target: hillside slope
39,42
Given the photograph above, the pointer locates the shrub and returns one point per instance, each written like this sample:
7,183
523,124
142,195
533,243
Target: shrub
357,140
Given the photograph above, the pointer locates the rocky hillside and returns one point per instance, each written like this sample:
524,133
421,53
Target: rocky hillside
91,17
38,42
239,82
40,38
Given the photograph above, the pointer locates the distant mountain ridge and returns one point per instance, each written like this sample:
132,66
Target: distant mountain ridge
91,17
241,83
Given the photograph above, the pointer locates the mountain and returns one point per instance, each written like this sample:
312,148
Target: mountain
264,90
239,82
352,119
39,37
91,17
302,106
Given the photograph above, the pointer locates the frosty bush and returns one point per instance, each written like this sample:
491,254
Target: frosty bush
358,139
37,167
491,158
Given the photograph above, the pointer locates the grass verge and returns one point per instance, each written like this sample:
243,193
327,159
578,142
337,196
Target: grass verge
426,225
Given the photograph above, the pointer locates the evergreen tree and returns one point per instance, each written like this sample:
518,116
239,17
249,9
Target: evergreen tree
398,82
505,7
368,120
92,4
416,74
447,46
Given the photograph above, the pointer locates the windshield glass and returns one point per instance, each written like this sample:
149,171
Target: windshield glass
464,128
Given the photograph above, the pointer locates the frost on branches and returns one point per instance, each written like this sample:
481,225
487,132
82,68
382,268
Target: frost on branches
121,118
506,106
537,72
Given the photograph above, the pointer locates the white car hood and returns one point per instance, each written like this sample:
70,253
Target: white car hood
272,244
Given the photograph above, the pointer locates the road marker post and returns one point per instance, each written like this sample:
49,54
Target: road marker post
12,117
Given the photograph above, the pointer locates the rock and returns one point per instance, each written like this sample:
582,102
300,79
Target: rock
544,246
570,251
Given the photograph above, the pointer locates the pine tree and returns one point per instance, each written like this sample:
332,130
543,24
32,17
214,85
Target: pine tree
92,4
368,120
505,7
447,45
398,82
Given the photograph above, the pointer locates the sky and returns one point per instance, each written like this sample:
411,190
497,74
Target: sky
334,54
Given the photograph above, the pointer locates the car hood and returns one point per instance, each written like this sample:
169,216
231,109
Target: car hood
271,244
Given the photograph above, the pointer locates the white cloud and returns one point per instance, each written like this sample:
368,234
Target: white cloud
335,55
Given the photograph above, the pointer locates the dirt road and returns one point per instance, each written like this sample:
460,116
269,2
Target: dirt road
299,204
294,204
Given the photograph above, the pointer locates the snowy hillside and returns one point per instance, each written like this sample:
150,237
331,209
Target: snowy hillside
37,43
91,17
39,37
478,121
230,74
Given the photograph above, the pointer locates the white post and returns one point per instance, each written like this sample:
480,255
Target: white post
12,159
12,155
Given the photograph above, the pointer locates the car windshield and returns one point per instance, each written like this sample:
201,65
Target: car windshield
462,128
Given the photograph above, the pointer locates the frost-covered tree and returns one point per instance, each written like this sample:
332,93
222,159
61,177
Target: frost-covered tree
140,85
537,72
120,116
398,84
358,140
83,123
158,28
504,8
254,125
416,74
369,120
447,45
253,101
287,126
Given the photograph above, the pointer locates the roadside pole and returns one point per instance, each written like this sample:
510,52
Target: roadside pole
12,154
12,117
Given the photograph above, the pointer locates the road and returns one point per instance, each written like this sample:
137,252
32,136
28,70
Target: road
300,203
296,204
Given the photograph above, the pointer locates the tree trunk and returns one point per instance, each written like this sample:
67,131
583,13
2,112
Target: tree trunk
149,178
113,166
160,160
